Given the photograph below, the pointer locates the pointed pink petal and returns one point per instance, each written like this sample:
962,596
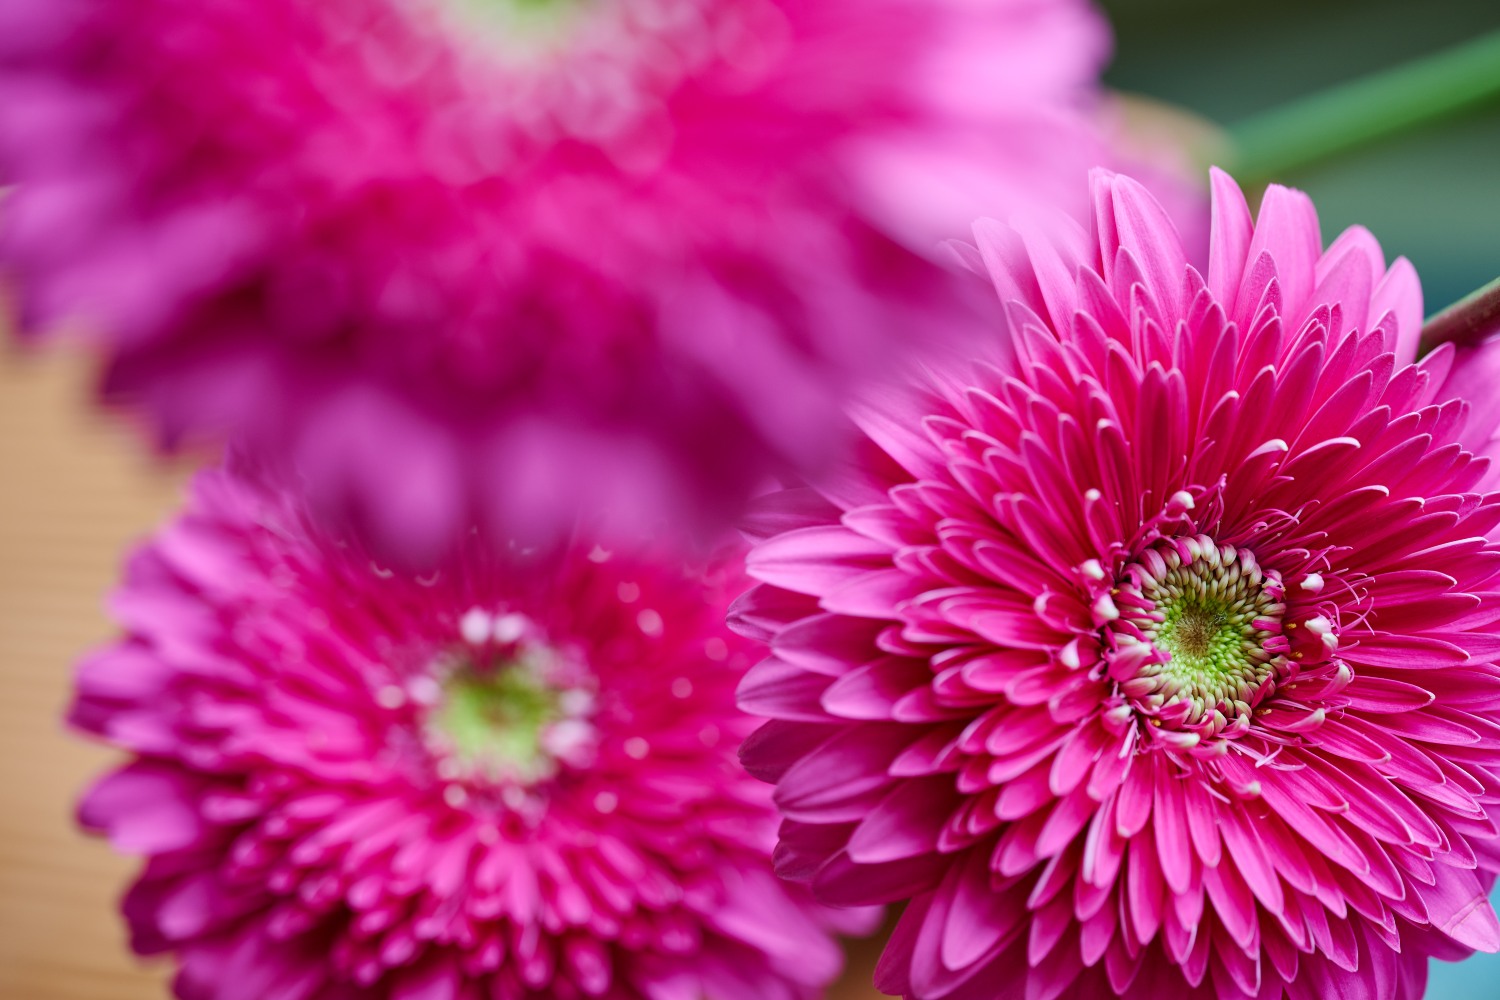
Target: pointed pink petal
1459,906
1173,841
1147,232
1400,293
1287,230
905,823
1229,242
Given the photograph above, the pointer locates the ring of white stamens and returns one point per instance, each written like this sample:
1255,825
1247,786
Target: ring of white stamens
1198,640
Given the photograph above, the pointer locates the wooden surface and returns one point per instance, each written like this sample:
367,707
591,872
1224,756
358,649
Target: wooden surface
75,492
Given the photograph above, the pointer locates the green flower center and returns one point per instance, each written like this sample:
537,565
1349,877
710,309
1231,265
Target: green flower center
515,21
1212,641
492,721
504,710
1211,619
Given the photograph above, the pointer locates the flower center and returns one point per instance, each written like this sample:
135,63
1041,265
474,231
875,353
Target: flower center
1199,639
519,9
493,721
506,709
514,25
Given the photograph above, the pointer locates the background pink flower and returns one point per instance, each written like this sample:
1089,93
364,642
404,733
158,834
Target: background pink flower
511,779
1154,653
457,262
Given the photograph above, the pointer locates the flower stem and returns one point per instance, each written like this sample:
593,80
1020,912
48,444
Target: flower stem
1467,321
1365,110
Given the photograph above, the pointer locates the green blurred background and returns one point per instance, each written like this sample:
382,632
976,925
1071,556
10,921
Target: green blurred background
1432,194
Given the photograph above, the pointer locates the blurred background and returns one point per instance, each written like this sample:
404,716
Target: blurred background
76,491
1432,194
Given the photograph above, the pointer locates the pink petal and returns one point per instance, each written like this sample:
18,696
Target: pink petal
1287,229
145,809
905,823
1229,244
1147,232
1459,906
1400,293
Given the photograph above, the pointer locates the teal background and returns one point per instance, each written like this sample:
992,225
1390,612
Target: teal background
1432,194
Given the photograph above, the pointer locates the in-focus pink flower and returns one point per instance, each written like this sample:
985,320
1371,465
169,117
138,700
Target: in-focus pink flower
506,780
457,261
1152,655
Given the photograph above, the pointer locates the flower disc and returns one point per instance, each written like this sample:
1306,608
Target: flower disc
1198,643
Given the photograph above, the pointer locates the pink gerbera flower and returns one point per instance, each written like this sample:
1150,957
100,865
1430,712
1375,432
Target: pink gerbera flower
453,261
511,779
1154,654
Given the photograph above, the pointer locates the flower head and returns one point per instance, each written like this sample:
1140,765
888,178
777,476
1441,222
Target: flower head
1153,654
514,778
457,261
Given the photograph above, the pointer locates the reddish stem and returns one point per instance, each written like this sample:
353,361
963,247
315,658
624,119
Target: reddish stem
1466,322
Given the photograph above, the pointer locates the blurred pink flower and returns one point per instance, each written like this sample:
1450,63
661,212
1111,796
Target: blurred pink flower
507,780
485,260
1153,654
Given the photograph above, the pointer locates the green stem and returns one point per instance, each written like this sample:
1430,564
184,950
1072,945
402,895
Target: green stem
1467,321
1365,110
